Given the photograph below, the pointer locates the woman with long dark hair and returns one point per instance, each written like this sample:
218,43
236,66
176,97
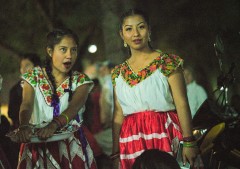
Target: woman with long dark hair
53,102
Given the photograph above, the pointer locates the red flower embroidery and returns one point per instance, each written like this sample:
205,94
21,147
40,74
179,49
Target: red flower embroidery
49,99
133,82
64,86
41,76
153,67
58,93
45,87
144,73
165,63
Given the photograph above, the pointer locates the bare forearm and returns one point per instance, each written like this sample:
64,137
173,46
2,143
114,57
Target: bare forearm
79,98
117,123
26,107
178,88
24,116
72,111
116,132
185,120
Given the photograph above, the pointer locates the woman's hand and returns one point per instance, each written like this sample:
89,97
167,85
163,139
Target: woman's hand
46,132
24,134
190,154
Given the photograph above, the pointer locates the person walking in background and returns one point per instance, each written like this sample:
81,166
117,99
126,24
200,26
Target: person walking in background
151,110
27,62
196,93
53,99
106,97
104,137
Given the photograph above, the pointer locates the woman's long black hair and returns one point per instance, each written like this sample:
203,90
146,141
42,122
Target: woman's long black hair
53,38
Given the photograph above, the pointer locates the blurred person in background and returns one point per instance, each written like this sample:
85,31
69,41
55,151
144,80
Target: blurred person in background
104,137
106,97
195,92
27,62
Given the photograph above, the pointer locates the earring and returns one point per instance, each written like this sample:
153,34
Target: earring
149,39
124,44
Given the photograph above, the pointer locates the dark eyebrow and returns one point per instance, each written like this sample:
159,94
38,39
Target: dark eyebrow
140,23
137,24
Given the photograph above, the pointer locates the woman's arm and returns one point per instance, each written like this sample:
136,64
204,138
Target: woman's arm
24,132
117,123
178,88
78,100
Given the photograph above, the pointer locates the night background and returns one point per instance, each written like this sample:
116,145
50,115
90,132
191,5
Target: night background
188,28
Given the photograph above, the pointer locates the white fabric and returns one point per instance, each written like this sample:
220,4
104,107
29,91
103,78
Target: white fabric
153,93
107,91
42,112
196,96
46,114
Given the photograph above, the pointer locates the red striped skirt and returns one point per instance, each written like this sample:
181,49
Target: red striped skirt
64,154
148,130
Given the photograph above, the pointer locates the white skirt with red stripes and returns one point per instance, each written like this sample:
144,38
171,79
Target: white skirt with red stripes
64,154
148,130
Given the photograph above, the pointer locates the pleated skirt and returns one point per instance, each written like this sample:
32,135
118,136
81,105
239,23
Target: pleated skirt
148,130
64,154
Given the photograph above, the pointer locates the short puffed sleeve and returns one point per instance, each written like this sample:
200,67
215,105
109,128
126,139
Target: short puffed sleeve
115,73
169,63
81,79
31,76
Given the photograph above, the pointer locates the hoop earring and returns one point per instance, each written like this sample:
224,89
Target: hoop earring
124,44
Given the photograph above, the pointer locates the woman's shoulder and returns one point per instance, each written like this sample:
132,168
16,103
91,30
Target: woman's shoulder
116,69
80,76
115,72
33,76
168,62
35,71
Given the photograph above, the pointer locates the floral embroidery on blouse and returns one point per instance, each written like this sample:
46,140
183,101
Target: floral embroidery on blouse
166,63
35,77
114,73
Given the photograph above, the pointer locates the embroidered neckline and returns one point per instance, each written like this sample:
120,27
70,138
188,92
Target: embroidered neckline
37,79
46,87
166,63
132,78
146,67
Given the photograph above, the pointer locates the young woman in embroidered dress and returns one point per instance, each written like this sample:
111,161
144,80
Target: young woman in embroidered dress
53,98
151,107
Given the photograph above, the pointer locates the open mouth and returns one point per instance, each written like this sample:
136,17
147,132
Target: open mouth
67,64
137,41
